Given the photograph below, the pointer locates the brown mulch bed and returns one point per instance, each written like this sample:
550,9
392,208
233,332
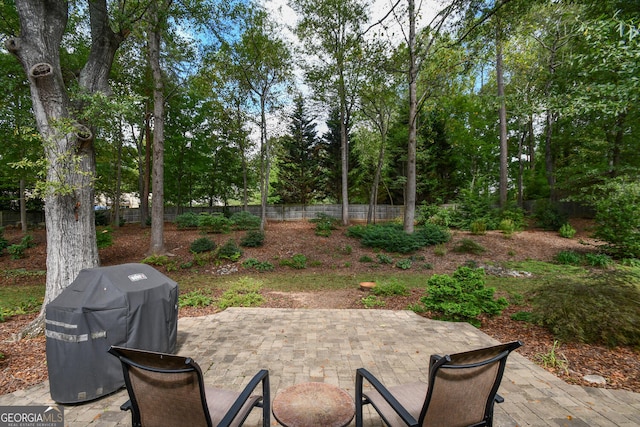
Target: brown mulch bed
23,363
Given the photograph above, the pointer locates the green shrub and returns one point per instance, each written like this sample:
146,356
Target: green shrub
440,250
392,238
365,258
230,251
548,215
384,259
431,234
187,220
567,231
473,205
469,246
203,244
104,237
523,316
515,215
16,251
478,227
102,218
371,301
598,309
298,261
194,299
253,239
433,214
462,297
27,241
390,288
325,224
618,218
159,260
598,260
3,242
507,226
404,264
245,292
568,257
260,266
357,231
214,223
245,221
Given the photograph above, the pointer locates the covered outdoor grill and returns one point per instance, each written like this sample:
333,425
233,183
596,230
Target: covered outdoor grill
129,305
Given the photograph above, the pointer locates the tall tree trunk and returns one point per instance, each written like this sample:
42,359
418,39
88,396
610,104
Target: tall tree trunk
157,204
410,186
265,164
503,121
145,170
344,149
116,218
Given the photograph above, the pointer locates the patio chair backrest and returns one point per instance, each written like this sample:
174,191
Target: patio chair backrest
164,389
463,386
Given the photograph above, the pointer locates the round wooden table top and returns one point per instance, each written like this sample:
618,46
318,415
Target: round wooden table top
313,404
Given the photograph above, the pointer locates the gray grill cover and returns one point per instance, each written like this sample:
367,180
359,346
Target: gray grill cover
130,305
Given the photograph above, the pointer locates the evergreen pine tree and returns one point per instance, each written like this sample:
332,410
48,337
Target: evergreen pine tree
298,168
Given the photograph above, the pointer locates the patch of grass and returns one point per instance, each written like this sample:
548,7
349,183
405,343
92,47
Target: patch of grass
244,292
365,258
371,301
197,298
554,359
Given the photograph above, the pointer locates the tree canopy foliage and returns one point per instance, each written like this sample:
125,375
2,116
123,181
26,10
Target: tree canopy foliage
571,87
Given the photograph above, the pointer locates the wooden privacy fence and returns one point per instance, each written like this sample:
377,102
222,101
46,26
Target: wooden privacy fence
13,218
282,212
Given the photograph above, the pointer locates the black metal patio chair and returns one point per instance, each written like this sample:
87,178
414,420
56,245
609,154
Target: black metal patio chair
166,390
461,391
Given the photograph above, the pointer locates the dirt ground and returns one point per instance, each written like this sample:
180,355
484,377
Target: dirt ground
23,363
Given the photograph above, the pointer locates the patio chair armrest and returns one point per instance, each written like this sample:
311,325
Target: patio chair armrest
260,377
361,374
126,406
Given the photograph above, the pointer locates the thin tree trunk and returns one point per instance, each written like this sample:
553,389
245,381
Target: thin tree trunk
23,207
146,171
265,165
410,187
503,121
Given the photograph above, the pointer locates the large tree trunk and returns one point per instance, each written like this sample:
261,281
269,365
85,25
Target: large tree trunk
157,203
69,152
410,186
